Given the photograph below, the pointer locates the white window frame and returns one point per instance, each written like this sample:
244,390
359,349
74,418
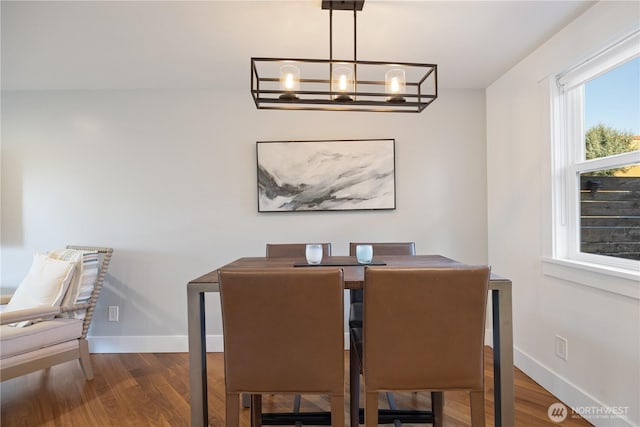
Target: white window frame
568,163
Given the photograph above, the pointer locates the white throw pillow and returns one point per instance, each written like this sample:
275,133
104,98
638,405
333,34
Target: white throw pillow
45,284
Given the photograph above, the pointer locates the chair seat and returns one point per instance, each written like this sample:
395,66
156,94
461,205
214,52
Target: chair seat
355,315
15,341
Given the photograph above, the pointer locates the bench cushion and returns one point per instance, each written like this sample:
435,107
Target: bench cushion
15,341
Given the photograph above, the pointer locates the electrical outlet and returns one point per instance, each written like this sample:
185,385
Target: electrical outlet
562,347
114,313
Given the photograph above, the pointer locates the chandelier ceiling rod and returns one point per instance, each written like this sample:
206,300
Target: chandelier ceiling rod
331,41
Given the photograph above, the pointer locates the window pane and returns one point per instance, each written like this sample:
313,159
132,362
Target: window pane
612,111
610,212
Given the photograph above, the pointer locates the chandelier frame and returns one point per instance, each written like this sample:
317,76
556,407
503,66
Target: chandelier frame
316,92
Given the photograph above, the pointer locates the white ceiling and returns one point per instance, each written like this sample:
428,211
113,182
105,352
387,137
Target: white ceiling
207,44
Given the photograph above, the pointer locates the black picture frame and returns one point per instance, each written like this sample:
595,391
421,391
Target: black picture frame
326,175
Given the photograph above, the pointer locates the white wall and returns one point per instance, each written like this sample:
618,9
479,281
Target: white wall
168,179
602,328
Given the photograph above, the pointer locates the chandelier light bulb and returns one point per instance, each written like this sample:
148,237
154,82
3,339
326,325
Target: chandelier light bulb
395,85
343,81
289,81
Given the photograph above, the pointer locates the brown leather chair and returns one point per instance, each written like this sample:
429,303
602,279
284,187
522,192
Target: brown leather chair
388,248
435,317
355,310
293,250
283,333
290,250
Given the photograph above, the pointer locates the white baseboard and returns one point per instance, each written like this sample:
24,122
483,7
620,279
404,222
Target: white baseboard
157,344
141,344
568,393
175,343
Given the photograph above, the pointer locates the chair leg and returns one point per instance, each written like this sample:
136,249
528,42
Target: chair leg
246,400
85,360
437,408
354,388
477,408
232,410
337,410
256,410
371,409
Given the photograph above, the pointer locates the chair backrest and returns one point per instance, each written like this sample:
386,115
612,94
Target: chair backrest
105,255
293,250
387,248
283,330
434,318
382,248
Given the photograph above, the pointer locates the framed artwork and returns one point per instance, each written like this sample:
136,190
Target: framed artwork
328,175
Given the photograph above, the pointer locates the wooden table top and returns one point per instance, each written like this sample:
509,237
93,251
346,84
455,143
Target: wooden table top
353,272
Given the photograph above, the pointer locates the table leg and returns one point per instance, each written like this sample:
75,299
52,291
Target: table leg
197,358
503,357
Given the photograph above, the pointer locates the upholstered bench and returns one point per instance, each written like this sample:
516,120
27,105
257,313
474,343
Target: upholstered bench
47,319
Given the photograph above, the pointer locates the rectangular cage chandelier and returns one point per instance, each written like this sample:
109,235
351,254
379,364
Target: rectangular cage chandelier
342,85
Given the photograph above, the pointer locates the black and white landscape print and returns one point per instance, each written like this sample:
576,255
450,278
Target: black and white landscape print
326,175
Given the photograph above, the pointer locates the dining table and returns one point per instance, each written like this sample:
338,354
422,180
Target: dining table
502,323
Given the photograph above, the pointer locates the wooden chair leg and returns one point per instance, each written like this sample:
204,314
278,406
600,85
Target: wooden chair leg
337,410
437,408
477,408
354,388
85,359
246,400
232,410
256,410
371,409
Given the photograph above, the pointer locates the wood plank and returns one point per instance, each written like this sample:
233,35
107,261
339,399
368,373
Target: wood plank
611,182
610,234
610,247
610,208
630,221
152,390
602,195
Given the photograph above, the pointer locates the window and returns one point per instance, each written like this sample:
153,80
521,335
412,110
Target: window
596,159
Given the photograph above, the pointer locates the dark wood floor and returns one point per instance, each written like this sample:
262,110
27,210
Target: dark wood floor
151,389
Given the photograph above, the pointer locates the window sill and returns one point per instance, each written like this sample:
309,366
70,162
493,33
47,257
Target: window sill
614,280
